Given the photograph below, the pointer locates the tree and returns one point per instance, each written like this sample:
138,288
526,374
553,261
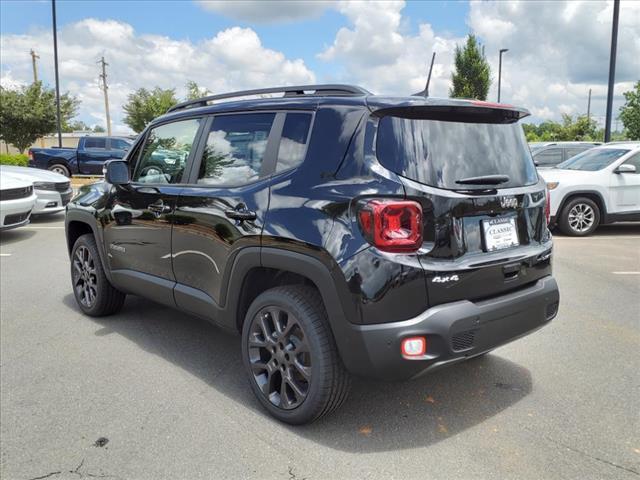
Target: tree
77,126
630,112
99,129
472,75
143,106
29,113
194,91
580,129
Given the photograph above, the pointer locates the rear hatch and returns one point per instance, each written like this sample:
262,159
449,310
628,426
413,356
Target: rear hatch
485,230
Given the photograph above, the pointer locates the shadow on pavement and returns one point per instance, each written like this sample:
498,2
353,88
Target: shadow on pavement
618,229
9,237
376,417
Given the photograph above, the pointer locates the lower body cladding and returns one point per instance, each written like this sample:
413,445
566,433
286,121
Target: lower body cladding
453,332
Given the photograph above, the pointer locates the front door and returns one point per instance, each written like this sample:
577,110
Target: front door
138,234
625,188
224,208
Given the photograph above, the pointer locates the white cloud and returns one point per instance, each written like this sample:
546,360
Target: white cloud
557,51
260,11
231,60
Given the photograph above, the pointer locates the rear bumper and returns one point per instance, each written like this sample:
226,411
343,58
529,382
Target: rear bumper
454,332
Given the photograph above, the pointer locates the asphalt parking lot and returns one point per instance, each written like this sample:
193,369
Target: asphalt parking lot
152,393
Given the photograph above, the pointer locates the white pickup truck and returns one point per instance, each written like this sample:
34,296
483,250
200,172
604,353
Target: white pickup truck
601,185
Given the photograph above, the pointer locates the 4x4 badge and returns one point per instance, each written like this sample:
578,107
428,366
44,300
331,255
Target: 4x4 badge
508,202
445,278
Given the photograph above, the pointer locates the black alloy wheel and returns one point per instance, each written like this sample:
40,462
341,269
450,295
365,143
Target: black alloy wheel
279,357
84,277
91,287
290,355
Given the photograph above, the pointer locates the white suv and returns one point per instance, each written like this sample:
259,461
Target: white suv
601,185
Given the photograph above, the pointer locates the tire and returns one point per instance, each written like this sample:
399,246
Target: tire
61,169
314,380
94,294
579,217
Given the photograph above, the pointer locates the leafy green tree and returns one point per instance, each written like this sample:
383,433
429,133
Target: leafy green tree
29,113
580,129
472,75
630,112
77,126
194,91
99,129
143,106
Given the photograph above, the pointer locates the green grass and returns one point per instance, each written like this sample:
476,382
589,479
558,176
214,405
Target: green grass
18,159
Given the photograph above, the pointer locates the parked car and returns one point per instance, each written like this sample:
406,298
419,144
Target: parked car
16,202
87,159
339,232
550,154
53,191
599,186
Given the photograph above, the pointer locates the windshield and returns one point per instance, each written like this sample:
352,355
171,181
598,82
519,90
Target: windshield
441,154
592,160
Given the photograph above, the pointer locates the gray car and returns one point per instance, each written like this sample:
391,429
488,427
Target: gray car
550,154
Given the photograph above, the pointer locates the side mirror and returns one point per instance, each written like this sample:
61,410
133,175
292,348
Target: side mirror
116,172
626,168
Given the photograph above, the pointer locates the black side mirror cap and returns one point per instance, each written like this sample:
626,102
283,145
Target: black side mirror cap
116,172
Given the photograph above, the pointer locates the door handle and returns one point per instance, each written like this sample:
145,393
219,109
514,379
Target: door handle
241,214
159,207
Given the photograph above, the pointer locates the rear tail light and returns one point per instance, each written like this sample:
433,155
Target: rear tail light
392,225
30,153
547,206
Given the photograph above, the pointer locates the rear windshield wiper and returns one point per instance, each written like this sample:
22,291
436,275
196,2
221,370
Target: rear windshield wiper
484,180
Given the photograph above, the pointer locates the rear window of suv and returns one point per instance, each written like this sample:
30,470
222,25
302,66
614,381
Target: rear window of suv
437,153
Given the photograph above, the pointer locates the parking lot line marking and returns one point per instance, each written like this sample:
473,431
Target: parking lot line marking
626,273
603,237
5,254
42,228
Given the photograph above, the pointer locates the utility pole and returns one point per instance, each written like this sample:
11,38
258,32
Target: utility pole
103,78
612,69
589,108
55,63
502,50
34,56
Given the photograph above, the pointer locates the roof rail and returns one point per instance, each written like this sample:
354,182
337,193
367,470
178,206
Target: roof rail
318,90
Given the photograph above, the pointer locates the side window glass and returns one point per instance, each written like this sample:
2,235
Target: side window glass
293,142
572,152
95,143
119,144
165,152
635,161
552,156
235,149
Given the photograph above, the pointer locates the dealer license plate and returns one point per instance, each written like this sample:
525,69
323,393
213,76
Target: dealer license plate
500,233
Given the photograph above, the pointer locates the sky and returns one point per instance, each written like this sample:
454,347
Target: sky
558,50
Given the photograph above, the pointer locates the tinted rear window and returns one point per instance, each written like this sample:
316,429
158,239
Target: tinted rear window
438,153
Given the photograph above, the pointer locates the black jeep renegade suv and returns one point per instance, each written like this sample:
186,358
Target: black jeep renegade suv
338,231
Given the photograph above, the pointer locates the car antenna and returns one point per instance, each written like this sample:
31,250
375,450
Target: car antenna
425,92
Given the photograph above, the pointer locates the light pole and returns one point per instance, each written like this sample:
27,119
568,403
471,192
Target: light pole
612,69
55,64
502,50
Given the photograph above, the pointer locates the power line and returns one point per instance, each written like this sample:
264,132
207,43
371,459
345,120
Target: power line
105,87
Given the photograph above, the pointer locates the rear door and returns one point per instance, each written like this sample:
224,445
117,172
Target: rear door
223,208
485,230
92,153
